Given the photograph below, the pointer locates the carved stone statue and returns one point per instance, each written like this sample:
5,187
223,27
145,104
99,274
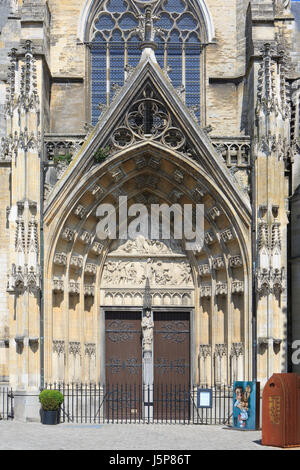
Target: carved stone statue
147,328
14,5
282,6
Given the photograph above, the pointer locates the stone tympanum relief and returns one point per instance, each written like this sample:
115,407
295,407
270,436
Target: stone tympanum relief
132,265
135,273
146,247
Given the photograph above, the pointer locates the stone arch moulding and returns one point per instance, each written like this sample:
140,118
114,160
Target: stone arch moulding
57,215
77,289
91,6
72,205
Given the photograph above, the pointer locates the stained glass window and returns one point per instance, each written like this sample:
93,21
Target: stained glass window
115,40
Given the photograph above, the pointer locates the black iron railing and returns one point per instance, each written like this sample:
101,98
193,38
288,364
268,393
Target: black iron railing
6,403
123,403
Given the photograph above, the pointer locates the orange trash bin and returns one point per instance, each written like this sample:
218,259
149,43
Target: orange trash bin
281,411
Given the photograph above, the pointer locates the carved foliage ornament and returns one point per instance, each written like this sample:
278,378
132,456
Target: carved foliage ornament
74,348
237,349
90,349
268,280
23,278
58,347
205,350
221,350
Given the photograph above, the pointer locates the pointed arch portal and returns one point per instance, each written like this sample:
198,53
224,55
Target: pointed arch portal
153,151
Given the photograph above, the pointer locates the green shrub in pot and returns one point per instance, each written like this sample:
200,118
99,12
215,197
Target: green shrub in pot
51,400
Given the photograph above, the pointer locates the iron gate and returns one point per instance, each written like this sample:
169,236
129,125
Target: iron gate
131,403
6,403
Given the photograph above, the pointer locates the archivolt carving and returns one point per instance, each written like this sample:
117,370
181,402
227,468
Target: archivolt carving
205,290
237,287
227,235
89,290
235,261
221,288
68,234
204,269
57,285
218,263
60,259
97,248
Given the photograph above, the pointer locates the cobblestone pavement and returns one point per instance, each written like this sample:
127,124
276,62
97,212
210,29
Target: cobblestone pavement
34,436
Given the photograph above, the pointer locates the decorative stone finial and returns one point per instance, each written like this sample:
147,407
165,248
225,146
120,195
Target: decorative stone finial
149,30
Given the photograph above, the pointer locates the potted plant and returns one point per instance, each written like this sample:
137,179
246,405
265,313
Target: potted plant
50,401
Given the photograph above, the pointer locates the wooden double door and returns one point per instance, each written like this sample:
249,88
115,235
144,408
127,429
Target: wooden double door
169,394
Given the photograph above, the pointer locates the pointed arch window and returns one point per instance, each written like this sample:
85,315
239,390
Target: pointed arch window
114,43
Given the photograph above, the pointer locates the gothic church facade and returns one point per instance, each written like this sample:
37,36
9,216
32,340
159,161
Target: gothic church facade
165,101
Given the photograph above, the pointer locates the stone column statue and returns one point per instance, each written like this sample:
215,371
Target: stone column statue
147,328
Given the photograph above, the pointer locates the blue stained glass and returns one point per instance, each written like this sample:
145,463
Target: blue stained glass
120,20
192,100
160,61
105,22
174,37
192,75
116,36
193,38
99,74
127,22
187,22
192,62
134,39
133,60
116,5
174,61
117,52
174,6
101,98
165,21
99,88
98,38
192,87
116,75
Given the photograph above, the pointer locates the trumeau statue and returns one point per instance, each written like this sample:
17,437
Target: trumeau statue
147,328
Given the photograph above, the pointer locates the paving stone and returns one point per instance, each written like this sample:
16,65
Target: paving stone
35,436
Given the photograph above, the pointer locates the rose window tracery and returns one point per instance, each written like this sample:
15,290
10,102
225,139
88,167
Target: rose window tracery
148,118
